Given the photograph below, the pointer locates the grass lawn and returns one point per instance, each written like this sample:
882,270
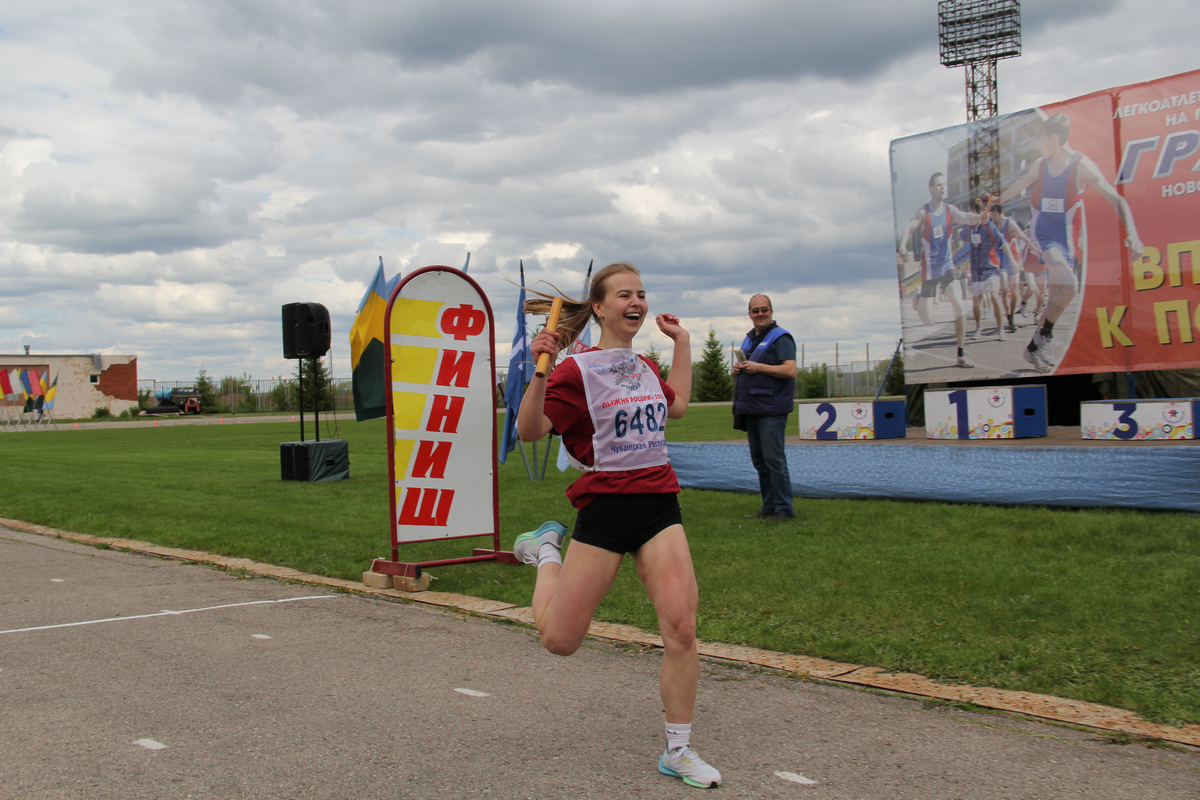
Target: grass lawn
1098,605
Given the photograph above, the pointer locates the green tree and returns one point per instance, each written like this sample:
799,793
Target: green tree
895,379
655,356
283,396
811,382
237,394
210,400
321,375
710,376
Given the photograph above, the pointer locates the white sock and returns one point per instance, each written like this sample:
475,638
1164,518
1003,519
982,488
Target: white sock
678,735
549,554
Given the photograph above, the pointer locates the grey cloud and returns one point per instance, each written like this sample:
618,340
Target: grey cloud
164,222
622,48
685,137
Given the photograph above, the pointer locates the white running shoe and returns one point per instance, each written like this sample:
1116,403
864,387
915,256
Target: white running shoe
526,547
975,333
1034,358
1037,357
1001,335
965,362
682,762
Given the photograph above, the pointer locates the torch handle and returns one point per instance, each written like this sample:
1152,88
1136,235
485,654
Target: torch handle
543,362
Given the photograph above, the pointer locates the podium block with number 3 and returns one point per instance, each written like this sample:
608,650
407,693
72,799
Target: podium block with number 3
1139,420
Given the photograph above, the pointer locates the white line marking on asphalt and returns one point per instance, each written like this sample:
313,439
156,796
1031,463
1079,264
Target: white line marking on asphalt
472,693
795,778
259,636
169,613
56,580
150,744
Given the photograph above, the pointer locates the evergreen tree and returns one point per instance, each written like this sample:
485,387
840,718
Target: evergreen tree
711,379
656,357
321,374
210,401
895,379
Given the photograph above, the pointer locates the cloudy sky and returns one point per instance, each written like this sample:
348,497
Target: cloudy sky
171,173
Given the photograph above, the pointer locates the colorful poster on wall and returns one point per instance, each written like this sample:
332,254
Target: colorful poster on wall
441,408
1084,254
27,386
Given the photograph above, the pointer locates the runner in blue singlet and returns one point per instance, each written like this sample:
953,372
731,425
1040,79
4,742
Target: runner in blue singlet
934,222
1056,182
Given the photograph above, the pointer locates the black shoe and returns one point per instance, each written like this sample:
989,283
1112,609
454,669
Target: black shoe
759,515
781,516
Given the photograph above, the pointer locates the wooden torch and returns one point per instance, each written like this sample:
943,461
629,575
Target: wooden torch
543,362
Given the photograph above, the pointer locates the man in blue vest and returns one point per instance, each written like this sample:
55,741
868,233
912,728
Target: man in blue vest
764,387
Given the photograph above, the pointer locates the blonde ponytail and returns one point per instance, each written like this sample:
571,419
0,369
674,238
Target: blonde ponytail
575,314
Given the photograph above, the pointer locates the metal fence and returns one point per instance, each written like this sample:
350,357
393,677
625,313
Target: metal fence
247,396
258,395
856,378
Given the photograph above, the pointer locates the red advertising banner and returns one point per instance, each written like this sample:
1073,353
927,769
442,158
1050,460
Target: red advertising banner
1084,254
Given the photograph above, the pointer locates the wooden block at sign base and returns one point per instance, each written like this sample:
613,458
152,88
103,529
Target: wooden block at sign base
408,584
377,580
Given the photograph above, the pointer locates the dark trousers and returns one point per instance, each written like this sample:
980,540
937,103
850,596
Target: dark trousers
770,460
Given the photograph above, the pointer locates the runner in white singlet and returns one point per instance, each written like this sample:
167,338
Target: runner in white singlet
610,407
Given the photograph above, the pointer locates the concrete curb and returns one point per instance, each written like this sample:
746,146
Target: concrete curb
1057,709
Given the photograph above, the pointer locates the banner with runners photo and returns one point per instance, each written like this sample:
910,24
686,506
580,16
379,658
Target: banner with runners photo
1058,240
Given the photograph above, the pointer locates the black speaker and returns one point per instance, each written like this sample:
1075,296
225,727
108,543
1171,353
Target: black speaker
289,331
302,461
287,460
313,333
306,330
316,461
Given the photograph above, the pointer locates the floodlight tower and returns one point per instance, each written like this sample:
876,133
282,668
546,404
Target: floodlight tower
976,34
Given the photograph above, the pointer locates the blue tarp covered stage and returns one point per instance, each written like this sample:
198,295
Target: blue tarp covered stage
1054,471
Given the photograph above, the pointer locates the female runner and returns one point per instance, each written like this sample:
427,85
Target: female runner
610,407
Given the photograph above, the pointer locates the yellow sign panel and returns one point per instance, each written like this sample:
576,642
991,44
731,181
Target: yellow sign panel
415,317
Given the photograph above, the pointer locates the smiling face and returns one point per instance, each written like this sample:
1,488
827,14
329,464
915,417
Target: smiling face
624,307
761,313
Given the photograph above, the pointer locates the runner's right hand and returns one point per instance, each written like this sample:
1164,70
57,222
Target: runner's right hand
545,342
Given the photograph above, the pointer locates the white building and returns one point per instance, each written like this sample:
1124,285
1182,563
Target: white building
76,385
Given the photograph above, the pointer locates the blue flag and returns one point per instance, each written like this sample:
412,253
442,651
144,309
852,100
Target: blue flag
520,372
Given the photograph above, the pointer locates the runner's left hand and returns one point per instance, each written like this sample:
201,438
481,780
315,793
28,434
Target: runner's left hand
669,325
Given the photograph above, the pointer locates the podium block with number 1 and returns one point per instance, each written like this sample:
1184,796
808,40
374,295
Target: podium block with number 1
990,412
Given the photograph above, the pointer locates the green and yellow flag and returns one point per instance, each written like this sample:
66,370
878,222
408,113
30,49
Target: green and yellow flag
367,349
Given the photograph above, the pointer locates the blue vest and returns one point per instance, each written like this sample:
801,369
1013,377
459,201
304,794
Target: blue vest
763,395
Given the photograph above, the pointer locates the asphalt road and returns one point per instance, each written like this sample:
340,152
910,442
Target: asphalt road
937,351
126,676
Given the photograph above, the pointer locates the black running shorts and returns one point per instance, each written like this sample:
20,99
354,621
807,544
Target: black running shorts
930,288
621,523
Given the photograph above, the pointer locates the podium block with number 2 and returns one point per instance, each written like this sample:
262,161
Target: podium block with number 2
879,419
